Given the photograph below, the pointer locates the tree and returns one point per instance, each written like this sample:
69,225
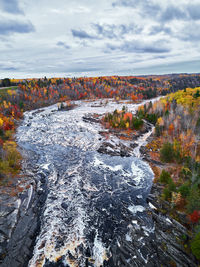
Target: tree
171,129
6,82
184,189
197,94
195,216
134,97
195,246
165,177
167,152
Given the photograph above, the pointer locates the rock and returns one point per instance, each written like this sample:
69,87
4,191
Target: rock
168,233
20,220
40,191
90,119
108,148
42,178
64,206
125,151
42,199
133,145
115,149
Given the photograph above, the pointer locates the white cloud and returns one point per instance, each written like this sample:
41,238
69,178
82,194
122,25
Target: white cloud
86,37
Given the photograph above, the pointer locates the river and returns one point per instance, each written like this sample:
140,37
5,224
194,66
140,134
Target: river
95,210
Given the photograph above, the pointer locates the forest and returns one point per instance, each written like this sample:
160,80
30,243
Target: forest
176,144
30,94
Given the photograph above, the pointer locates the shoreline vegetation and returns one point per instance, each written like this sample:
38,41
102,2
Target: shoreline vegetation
174,149
173,152
174,156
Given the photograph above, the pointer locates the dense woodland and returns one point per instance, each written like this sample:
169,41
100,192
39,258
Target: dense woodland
36,93
176,118
176,143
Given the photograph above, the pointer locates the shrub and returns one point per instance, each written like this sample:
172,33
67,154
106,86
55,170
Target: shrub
171,186
157,130
167,194
122,124
195,246
177,156
4,166
1,132
141,114
197,228
198,122
197,94
8,134
195,216
165,177
193,200
167,152
137,123
186,173
21,104
12,156
152,118
184,190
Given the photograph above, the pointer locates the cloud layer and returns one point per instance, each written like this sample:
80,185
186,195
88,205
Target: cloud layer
85,37
11,6
8,27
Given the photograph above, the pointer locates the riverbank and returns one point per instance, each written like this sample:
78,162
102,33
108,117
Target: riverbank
171,234
171,226
20,209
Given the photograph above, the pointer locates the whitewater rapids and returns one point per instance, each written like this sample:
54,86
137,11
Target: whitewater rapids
95,209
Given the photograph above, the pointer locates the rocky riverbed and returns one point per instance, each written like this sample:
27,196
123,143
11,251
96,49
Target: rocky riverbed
88,199
20,214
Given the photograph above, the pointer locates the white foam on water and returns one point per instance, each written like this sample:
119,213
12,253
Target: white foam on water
99,251
139,174
100,163
128,238
45,166
145,260
136,208
148,230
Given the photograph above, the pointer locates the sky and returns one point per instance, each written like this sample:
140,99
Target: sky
72,38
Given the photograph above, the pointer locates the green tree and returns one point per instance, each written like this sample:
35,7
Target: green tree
195,246
193,200
6,82
184,190
165,177
167,152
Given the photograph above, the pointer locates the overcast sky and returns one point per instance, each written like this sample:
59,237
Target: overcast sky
94,38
